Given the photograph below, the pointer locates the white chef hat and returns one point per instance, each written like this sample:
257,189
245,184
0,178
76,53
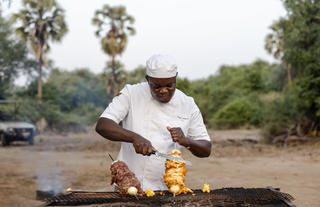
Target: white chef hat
161,66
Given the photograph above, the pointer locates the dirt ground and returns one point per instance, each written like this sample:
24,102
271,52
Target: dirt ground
79,161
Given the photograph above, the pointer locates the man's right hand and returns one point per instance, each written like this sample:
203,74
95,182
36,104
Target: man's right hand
142,145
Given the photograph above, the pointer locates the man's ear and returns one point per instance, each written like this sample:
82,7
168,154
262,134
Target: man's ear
147,78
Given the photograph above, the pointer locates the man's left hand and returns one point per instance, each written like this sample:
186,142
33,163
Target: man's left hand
178,136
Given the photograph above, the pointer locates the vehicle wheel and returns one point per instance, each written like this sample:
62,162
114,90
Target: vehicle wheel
4,140
31,139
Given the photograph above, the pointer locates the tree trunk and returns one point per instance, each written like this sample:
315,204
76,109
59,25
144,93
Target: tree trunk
39,95
289,73
111,85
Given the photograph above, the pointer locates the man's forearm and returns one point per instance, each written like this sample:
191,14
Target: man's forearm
112,131
200,148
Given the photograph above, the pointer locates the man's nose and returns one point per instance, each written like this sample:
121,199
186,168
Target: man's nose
164,90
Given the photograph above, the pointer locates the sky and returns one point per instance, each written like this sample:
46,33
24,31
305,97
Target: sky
201,35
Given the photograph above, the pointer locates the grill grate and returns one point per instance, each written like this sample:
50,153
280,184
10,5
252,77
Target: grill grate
221,197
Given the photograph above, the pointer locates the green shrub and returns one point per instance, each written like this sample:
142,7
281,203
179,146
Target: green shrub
279,115
236,114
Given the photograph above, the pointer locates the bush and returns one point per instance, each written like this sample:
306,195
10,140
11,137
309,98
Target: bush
237,113
279,115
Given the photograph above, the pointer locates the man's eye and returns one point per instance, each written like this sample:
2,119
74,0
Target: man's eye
169,85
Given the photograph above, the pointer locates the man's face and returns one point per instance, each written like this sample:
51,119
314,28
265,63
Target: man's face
162,89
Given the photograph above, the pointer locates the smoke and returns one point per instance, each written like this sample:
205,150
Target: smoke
50,183
49,174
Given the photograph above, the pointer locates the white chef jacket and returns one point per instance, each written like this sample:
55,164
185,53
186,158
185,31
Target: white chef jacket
142,114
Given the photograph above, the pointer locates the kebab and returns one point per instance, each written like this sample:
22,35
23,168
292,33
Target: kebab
127,182
174,175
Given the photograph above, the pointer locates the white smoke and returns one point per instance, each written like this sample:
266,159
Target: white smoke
49,174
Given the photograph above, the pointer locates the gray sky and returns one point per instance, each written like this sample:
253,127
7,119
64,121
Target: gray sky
201,35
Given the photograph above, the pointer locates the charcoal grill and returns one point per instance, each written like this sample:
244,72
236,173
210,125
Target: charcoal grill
226,197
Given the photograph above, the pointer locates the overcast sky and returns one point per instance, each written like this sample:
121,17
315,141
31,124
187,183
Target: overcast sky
201,35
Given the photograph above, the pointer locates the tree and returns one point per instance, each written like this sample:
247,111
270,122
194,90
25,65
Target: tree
115,69
13,58
137,75
42,20
71,99
274,42
115,23
300,32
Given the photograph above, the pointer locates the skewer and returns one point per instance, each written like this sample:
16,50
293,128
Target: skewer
110,157
136,197
174,201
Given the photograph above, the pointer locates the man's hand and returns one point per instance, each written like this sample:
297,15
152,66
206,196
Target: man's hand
142,145
178,136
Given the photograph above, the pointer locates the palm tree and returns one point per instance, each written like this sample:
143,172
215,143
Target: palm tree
8,1
274,43
42,20
115,24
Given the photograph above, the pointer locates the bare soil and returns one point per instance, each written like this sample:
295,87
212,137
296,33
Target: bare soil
80,161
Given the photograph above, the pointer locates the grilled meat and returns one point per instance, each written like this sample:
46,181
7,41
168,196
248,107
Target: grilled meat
124,178
174,175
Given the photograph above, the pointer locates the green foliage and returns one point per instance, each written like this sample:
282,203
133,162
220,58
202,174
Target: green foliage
40,21
280,113
259,94
184,85
304,53
237,113
13,58
76,88
299,33
136,76
116,25
70,100
233,83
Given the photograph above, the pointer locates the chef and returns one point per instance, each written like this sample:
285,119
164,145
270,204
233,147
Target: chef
155,116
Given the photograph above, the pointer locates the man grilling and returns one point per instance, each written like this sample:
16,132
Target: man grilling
155,115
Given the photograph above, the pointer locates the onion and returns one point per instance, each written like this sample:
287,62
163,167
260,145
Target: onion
132,191
174,189
114,162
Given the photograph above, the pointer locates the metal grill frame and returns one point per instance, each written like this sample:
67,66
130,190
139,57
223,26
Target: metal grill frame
220,197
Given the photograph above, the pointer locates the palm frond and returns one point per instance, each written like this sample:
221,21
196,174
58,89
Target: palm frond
117,25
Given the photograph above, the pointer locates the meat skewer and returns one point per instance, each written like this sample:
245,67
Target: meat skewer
126,180
174,175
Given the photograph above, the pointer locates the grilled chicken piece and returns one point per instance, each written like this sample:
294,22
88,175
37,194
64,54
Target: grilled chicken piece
149,193
206,188
174,175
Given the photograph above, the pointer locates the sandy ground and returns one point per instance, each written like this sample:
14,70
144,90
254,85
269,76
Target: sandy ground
80,161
